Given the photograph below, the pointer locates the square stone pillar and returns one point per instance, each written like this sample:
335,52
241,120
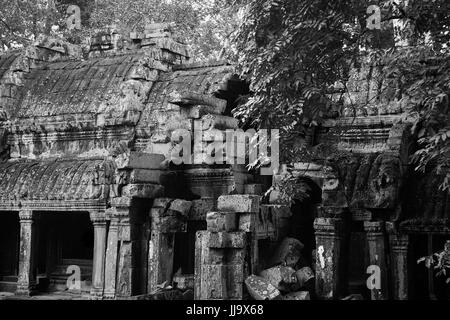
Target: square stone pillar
111,255
379,277
26,281
399,244
328,255
166,221
98,218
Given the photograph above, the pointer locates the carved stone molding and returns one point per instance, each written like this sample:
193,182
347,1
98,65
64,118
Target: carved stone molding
374,229
328,227
27,216
98,217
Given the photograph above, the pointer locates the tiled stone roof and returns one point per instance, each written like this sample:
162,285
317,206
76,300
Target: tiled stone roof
55,180
73,87
6,61
205,80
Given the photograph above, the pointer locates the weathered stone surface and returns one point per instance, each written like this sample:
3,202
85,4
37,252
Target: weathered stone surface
148,191
227,240
162,202
354,297
181,206
261,289
329,247
304,275
256,189
184,281
280,276
139,160
288,252
200,208
248,221
239,203
146,176
301,295
221,221
160,259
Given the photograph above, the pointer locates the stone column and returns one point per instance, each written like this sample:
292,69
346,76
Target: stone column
98,269
378,280
26,281
399,259
328,254
166,221
111,255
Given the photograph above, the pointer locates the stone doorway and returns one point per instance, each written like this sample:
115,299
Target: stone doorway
304,211
9,250
66,245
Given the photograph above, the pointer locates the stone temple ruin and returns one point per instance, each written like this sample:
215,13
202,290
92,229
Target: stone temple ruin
86,181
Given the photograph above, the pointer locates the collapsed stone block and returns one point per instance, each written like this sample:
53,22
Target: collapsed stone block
247,222
181,206
304,275
161,202
146,176
280,276
301,295
221,221
167,221
239,203
139,160
200,208
261,289
184,281
148,191
288,252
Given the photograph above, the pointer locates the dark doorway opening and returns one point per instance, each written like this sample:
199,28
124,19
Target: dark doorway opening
9,250
304,211
66,240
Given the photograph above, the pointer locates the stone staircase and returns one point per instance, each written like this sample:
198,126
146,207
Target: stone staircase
58,278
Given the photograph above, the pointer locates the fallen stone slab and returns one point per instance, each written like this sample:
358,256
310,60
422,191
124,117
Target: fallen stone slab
239,203
354,297
139,160
301,295
304,275
280,277
261,289
181,206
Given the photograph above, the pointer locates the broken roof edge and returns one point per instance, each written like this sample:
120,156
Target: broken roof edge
202,64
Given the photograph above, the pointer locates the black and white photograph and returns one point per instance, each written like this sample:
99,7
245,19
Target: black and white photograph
245,151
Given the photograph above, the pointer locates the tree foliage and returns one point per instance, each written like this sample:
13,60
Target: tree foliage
293,52
203,24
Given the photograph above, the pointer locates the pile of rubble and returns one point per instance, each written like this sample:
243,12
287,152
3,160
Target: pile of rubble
288,279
